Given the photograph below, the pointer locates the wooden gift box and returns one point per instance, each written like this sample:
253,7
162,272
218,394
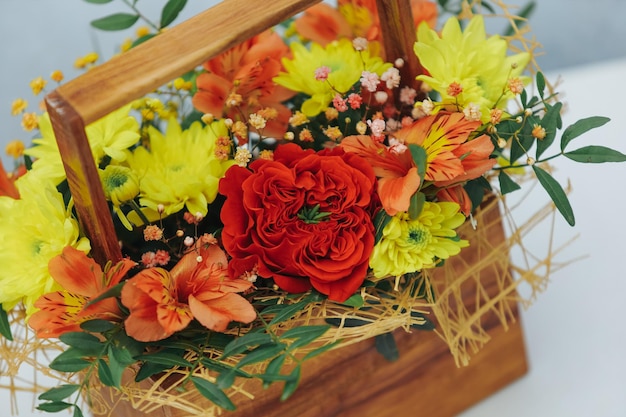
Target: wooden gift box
353,381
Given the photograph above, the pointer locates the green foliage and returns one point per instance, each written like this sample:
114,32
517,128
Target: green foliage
507,185
59,393
581,126
386,346
116,21
5,326
595,155
380,221
171,11
556,193
211,391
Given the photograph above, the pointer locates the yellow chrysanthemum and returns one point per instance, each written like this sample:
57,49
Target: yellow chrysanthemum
35,229
412,245
180,169
111,136
346,66
467,67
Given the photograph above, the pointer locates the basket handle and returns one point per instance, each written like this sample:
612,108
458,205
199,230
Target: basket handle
141,70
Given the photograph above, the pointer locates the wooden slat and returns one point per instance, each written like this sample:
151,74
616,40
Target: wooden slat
399,35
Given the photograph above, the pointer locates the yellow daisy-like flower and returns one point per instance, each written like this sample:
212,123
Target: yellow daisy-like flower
180,169
345,63
467,67
35,229
412,245
111,136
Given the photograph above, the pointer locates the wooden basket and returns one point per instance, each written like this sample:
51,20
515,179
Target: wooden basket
356,381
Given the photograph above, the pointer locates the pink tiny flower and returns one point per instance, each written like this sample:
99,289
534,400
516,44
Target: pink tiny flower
454,89
152,232
391,77
407,95
355,101
339,103
369,80
407,121
396,146
162,257
321,73
360,44
377,127
148,259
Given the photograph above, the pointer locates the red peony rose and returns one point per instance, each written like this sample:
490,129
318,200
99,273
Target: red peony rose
302,219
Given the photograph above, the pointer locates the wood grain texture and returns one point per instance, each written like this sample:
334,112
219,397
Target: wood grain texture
399,35
141,70
83,179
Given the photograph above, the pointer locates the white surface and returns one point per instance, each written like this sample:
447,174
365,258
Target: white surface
574,332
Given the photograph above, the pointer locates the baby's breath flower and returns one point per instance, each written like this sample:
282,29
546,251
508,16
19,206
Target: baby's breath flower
331,113
15,148
268,113
360,44
242,156
267,154
398,63
361,127
234,100
369,80
298,119
333,132
339,103
381,97
289,136
18,106
355,101
530,161
391,77
152,232
538,132
516,86
257,121
240,130
30,121
37,85
321,73
377,126
501,143
495,116
57,76
407,95
472,112
305,135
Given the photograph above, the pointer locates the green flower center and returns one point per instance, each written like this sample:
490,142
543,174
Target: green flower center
418,236
312,215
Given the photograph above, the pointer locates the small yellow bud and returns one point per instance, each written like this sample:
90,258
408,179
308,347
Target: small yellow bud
30,121
37,85
57,76
530,161
15,148
207,118
538,132
18,106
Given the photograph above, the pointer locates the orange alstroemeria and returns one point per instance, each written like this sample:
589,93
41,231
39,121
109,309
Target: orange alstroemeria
163,302
322,23
456,194
397,173
82,280
7,187
452,157
243,75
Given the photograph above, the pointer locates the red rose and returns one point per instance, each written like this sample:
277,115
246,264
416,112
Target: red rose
302,219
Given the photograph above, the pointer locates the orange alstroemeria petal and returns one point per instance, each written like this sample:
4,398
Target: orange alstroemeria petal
322,24
76,272
7,187
217,313
395,193
456,194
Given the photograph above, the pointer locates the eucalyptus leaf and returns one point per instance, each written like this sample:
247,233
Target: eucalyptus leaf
210,391
59,393
556,193
117,21
304,335
261,354
507,185
595,155
54,406
171,11
288,312
291,384
5,326
386,346
581,126
243,343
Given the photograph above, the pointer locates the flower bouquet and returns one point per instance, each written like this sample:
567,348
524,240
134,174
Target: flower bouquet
310,180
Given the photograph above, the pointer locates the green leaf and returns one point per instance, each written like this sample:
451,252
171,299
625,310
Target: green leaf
166,358
291,384
580,127
550,123
114,291
59,393
142,39
105,375
117,21
304,334
356,301
541,83
148,369
272,371
380,221
420,321
476,190
77,412
386,346
97,326
5,326
226,379
119,359
245,342
69,361
416,205
288,312
507,185
262,353
210,391
99,1
171,11
85,342
595,155
419,157
320,350
556,193
54,406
